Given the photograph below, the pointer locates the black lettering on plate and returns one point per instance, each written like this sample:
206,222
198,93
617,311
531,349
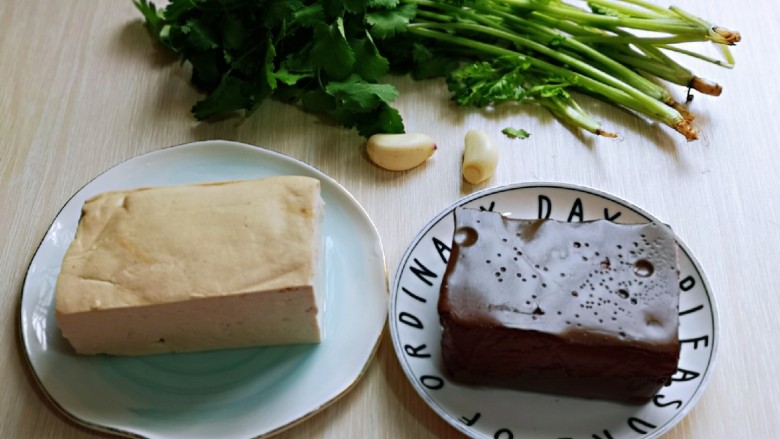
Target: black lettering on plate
576,211
684,375
695,341
613,217
441,248
472,420
657,401
432,382
692,310
632,422
416,351
504,433
545,207
489,208
607,435
422,272
410,319
687,284
413,296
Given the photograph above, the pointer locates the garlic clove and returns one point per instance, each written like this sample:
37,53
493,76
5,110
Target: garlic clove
480,157
400,152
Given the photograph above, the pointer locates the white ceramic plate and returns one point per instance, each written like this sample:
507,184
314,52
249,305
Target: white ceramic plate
502,413
234,393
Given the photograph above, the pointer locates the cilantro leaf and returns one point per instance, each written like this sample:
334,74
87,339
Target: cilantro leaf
550,89
357,95
331,50
354,6
321,54
231,95
368,62
429,65
387,4
268,70
488,83
317,101
207,68
434,67
154,18
290,78
421,53
603,10
199,35
332,9
177,10
276,12
309,15
380,118
233,32
515,133
387,22
300,62
383,120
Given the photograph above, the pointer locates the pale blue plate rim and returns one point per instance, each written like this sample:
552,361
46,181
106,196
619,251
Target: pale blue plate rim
329,184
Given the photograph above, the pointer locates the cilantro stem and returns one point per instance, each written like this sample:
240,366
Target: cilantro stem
644,103
682,38
511,33
635,101
568,111
434,16
330,57
671,72
670,25
582,67
622,8
593,49
620,70
729,63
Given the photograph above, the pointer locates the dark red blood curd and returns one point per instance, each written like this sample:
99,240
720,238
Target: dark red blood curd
585,309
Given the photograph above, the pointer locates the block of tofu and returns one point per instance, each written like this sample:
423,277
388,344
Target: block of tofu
195,267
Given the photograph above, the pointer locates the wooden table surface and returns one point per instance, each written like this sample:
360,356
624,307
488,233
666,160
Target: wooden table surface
83,88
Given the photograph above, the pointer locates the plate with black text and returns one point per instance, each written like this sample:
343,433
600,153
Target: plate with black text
236,393
503,413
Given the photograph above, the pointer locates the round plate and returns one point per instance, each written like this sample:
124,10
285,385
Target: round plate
231,393
504,413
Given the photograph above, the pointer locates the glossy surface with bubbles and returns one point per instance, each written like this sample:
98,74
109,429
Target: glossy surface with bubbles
558,307
619,281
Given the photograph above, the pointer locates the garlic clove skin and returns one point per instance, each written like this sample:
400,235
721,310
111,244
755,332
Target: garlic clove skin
400,152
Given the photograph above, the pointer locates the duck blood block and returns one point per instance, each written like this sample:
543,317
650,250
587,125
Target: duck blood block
585,309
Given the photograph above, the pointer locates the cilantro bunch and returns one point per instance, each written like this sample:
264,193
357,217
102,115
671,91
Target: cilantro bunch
320,55
330,56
